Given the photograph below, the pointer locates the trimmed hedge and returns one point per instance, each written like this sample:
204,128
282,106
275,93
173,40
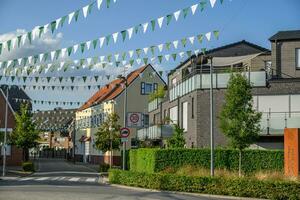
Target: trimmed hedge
241,187
28,166
156,160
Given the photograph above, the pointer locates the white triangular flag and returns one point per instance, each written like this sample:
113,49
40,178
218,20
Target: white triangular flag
14,41
102,58
208,35
75,47
9,62
181,54
34,33
52,53
101,41
20,61
146,50
63,52
89,60
160,47
41,57
75,62
138,61
99,2
71,15
116,57
194,8
124,62
145,26
88,44
46,28
160,21
62,64
85,10
196,51
175,43
192,39
176,14
130,53
212,3
57,23
115,36
130,31
29,59
167,57
23,39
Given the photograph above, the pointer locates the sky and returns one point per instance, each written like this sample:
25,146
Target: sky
251,20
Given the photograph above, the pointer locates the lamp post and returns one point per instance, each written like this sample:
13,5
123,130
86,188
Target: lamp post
212,170
5,132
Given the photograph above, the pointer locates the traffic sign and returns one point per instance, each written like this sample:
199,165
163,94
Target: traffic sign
124,132
134,119
124,139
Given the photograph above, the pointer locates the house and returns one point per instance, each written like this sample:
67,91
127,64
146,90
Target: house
276,91
110,99
14,155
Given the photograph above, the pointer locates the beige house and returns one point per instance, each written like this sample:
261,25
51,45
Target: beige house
110,99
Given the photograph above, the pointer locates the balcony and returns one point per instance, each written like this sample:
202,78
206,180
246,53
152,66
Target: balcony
153,105
155,132
198,80
274,123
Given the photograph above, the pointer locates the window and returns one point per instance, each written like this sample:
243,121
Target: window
192,107
298,58
147,88
184,124
173,114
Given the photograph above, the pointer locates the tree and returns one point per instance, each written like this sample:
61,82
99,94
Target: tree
109,132
238,120
177,140
25,135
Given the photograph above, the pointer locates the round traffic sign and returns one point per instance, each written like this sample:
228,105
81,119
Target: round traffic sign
124,132
134,118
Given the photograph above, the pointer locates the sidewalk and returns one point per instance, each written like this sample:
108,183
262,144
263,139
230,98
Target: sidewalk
87,165
14,171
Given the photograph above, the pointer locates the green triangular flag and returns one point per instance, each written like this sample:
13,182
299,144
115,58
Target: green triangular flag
153,24
183,42
168,45
0,78
145,60
159,58
136,29
72,79
109,57
202,5
53,87
57,52
160,73
200,38
90,7
82,45
174,55
36,79
46,56
19,40
35,59
41,28
118,63
152,48
8,44
43,89
131,62
96,78
138,52
60,79
84,78
107,39
82,61
69,50
12,78
95,59
169,18
216,34
123,33
95,43
24,78
123,55
29,37
53,25
221,1
107,3
189,53
76,15
62,21
185,12
34,87
48,79
0,48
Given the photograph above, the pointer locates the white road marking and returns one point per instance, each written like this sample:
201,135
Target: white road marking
74,179
42,178
90,180
55,178
26,179
61,178
66,172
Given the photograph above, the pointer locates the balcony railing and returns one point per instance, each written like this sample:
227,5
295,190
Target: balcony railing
155,132
274,123
220,80
153,105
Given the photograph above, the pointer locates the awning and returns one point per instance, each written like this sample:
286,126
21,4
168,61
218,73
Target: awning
228,61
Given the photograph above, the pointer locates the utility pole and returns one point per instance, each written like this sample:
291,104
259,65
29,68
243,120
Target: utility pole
74,138
5,133
212,170
125,116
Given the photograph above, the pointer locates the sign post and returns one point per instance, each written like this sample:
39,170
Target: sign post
124,132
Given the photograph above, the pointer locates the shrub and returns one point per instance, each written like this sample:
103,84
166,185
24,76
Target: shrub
28,166
104,167
242,187
156,160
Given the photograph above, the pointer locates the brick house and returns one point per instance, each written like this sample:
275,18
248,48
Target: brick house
14,155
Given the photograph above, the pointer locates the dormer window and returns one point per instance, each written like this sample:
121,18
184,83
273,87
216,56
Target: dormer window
298,58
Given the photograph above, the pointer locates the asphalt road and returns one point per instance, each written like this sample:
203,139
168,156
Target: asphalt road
60,180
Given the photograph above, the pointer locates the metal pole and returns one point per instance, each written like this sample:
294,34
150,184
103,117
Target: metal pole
74,138
5,133
212,171
125,116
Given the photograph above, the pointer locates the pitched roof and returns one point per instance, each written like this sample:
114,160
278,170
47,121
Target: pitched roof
286,35
14,93
112,89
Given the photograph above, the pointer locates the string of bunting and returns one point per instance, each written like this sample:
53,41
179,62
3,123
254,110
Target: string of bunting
117,57
48,102
39,31
53,87
56,54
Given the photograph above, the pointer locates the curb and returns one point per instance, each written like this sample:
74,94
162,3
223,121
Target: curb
184,193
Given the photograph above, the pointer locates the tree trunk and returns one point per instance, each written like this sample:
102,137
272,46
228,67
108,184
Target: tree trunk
26,154
240,162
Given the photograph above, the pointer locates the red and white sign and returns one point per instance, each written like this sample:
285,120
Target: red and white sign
124,132
134,119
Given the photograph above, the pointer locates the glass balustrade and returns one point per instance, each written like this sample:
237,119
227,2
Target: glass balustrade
155,132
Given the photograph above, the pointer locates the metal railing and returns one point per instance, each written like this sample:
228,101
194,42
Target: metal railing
153,105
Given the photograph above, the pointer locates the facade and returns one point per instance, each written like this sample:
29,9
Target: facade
110,99
14,156
275,91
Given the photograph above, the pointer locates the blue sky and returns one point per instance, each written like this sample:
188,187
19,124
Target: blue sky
252,20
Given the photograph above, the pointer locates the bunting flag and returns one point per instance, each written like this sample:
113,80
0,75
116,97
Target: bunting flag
38,31
164,20
54,55
47,102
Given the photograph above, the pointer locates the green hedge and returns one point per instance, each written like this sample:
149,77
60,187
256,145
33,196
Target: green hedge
156,160
28,166
241,187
